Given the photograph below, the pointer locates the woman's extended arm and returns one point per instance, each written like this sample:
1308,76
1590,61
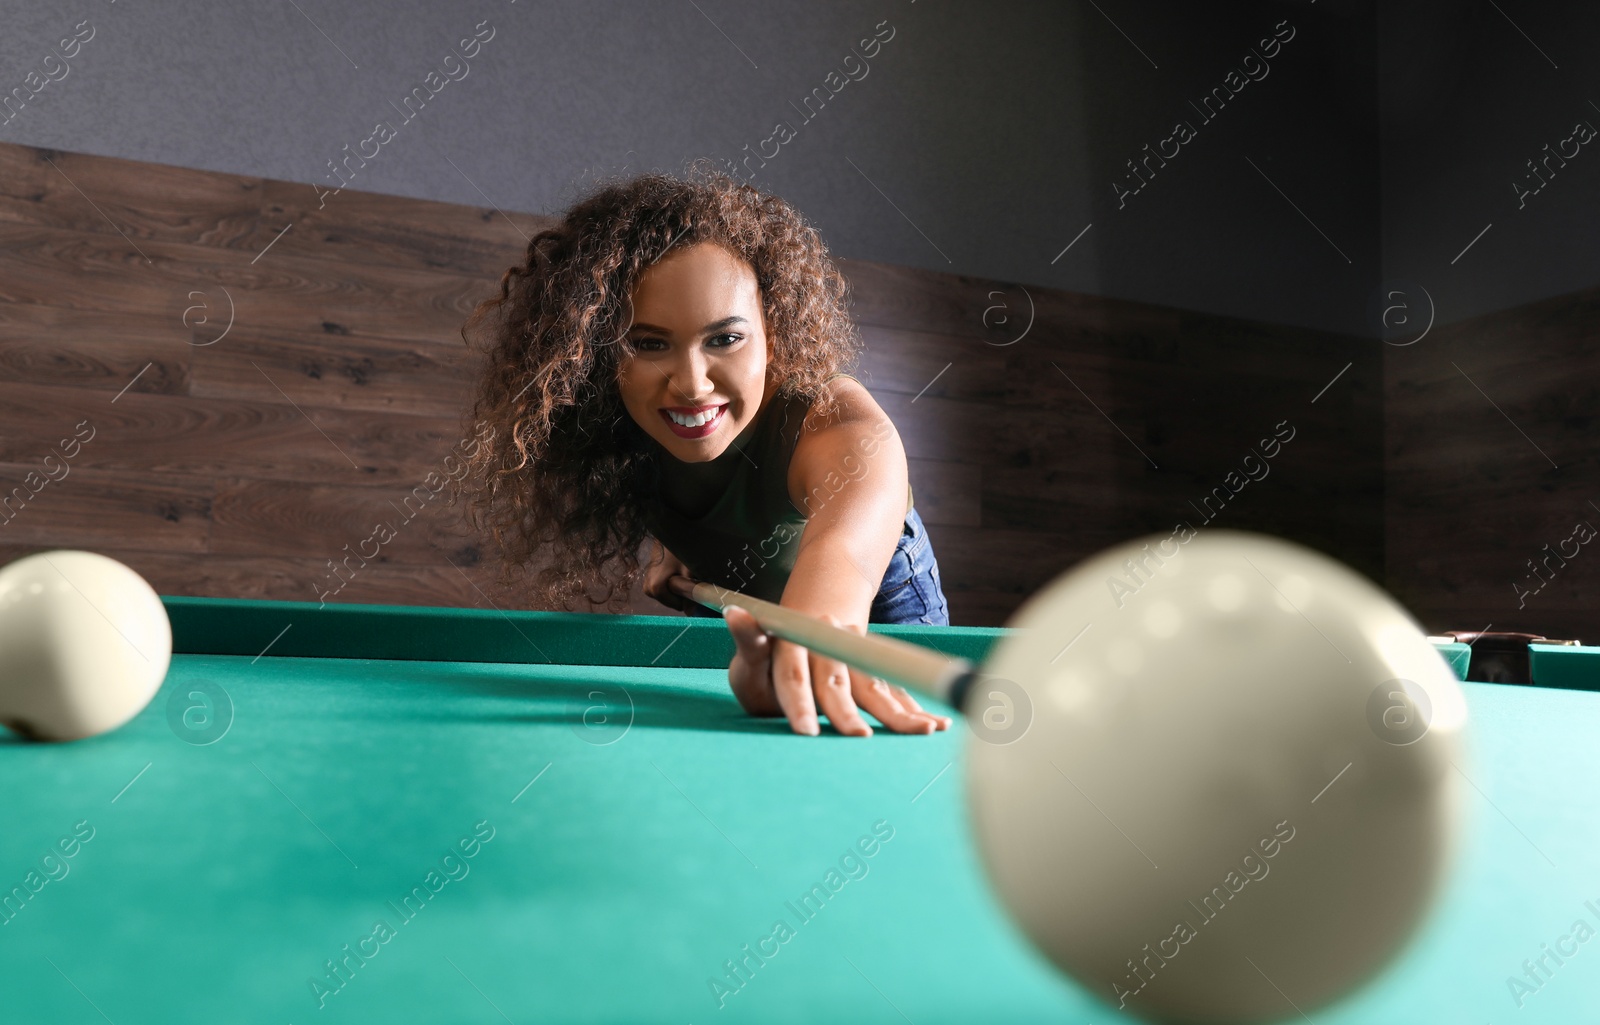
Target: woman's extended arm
849,475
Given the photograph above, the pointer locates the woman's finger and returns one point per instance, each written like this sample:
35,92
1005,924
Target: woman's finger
791,681
748,637
830,681
877,697
893,707
907,701
750,672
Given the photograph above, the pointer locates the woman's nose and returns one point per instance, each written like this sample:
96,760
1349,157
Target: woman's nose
688,376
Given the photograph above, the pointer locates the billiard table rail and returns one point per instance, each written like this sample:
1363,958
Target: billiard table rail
251,626
248,626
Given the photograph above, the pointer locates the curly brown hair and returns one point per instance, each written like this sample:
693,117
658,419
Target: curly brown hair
566,473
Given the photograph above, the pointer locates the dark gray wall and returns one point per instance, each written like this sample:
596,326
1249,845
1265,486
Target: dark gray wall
983,139
1491,418
1471,92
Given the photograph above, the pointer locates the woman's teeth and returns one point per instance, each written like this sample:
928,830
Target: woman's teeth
696,420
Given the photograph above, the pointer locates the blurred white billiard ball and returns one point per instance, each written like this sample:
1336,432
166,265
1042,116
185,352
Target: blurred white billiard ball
84,645
1237,796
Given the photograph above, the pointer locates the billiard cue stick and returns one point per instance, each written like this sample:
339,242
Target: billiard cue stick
942,677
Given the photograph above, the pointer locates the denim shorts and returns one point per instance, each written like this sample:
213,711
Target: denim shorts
910,592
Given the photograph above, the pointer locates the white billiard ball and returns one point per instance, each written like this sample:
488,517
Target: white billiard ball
1235,799
84,645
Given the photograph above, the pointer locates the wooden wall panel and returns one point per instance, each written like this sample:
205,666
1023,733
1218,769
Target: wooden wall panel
357,373
156,202
47,345
254,517
67,505
1475,491
220,437
945,492
242,466
284,292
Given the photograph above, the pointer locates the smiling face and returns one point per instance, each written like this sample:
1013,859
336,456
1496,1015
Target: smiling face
697,374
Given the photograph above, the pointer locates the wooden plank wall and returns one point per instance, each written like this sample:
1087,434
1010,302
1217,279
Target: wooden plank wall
1041,425
1493,462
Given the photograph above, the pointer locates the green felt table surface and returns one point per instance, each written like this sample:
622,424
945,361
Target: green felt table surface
641,830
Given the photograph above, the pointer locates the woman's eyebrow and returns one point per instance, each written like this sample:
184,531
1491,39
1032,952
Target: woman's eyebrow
713,326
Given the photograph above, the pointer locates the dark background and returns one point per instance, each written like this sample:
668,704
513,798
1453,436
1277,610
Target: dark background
1251,272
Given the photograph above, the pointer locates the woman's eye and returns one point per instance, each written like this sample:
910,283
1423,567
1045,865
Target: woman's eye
732,340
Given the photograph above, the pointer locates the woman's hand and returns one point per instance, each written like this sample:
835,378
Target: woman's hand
659,576
771,676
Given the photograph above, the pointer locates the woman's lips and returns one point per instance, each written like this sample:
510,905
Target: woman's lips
693,433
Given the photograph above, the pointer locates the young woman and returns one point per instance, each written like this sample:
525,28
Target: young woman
668,363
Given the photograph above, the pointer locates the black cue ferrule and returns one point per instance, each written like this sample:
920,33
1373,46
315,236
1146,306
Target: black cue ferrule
960,687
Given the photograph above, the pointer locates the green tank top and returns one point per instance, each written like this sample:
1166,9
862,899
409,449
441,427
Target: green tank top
748,539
